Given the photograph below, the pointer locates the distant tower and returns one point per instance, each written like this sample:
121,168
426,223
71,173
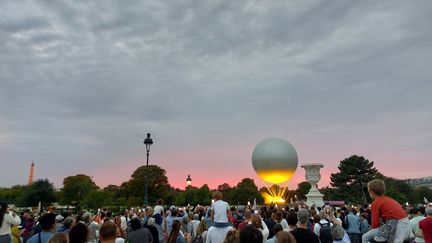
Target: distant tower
30,178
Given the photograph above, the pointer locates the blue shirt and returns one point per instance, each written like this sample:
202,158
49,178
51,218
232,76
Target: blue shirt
43,235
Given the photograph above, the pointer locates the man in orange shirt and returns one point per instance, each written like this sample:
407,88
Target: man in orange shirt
395,225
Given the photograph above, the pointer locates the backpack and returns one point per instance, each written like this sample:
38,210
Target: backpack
325,235
198,239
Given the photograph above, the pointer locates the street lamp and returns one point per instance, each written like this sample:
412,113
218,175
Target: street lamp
148,142
188,181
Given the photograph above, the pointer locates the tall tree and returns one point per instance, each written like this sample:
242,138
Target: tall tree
40,191
302,189
351,180
76,187
158,185
245,191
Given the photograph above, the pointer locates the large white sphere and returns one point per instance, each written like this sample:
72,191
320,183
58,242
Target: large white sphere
274,160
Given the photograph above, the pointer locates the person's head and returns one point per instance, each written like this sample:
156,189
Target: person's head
3,209
86,217
337,232
232,236
376,188
256,221
363,216
108,214
251,235
151,221
429,210
268,214
202,227
135,223
59,238
78,233
285,237
292,219
159,202
185,220
217,195
108,232
67,222
303,216
316,218
277,228
247,213
47,221
175,228
278,216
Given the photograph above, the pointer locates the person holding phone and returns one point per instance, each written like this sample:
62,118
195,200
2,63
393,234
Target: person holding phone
7,219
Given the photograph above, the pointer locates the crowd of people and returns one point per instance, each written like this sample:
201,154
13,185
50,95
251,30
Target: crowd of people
385,220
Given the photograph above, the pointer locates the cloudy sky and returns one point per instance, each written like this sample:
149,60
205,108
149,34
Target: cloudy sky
82,82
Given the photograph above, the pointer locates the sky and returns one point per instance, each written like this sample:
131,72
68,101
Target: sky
83,82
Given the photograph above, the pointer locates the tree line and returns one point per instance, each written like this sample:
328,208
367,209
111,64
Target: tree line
349,184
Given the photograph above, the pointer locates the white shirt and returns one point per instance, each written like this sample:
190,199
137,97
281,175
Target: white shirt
284,224
123,223
217,235
158,209
8,221
219,209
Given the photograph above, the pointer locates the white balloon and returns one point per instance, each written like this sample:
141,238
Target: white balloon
275,160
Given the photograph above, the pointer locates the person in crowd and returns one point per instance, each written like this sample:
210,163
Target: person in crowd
250,234
418,215
158,212
176,236
67,224
396,227
59,238
108,232
92,226
217,234
78,233
339,235
302,234
123,220
364,224
58,222
201,231
261,226
426,224
269,222
194,220
247,218
16,234
276,229
322,229
186,227
108,216
292,221
220,211
151,226
232,236
7,219
353,224
280,220
285,237
137,234
47,224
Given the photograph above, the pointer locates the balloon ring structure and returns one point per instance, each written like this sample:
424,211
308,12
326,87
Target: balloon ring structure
274,160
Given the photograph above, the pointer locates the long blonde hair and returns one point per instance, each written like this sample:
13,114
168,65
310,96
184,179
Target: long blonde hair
233,236
201,227
285,237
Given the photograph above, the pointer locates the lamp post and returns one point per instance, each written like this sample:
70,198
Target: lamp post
188,182
148,142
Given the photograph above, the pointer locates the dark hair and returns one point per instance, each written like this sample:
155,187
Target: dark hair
78,233
172,238
292,219
3,208
47,221
277,228
108,231
135,224
268,214
108,214
159,202
251,235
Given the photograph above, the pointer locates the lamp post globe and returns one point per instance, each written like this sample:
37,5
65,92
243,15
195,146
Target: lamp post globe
148,143
188,180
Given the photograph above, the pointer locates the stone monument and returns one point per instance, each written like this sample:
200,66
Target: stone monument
313,176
